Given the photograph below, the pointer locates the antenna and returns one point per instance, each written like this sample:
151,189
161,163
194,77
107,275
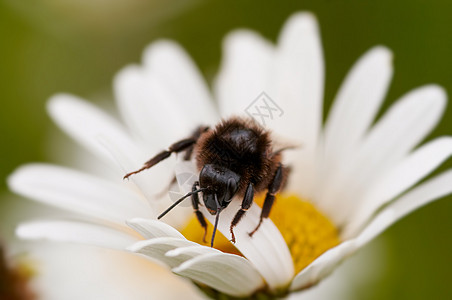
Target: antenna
179,201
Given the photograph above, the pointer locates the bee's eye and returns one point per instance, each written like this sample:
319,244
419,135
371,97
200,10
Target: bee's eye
231,188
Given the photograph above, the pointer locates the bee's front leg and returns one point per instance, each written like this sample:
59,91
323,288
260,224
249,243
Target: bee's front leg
273,188
246,204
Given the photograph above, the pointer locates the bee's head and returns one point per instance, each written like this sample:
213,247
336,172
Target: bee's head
220,185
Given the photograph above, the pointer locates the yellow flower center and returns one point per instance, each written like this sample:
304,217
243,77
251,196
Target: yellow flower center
307,232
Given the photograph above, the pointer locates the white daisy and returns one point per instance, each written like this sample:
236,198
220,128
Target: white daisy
350,180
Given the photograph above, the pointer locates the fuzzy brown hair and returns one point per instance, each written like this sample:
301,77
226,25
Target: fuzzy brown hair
242,146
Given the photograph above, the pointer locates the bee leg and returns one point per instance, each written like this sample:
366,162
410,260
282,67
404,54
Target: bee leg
246,204
196,134
187,156
199,215
174,148
182,145
273,188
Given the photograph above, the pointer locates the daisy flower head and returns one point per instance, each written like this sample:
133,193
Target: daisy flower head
350,177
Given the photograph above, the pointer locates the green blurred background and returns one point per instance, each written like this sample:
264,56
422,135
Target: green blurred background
76,46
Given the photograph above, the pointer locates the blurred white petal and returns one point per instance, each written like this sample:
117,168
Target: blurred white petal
433,189
74,272
76,232
77,192
169,62
323,265
85,123
356,104
401,128
148,105
148,183
299,84
350,276
244,73
402,176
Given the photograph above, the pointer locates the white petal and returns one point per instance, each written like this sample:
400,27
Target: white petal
244,72
266,250
406,123
299,80
74,272
354,109
356,272
148,106
85,123
421,195
192,251
323,265
150,229
435,188
298,91
357,102
149,182
405,174
156,249
173,66
185,173
227,273
76,232
77,192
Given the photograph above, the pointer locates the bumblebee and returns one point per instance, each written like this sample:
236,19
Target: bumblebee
235,159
